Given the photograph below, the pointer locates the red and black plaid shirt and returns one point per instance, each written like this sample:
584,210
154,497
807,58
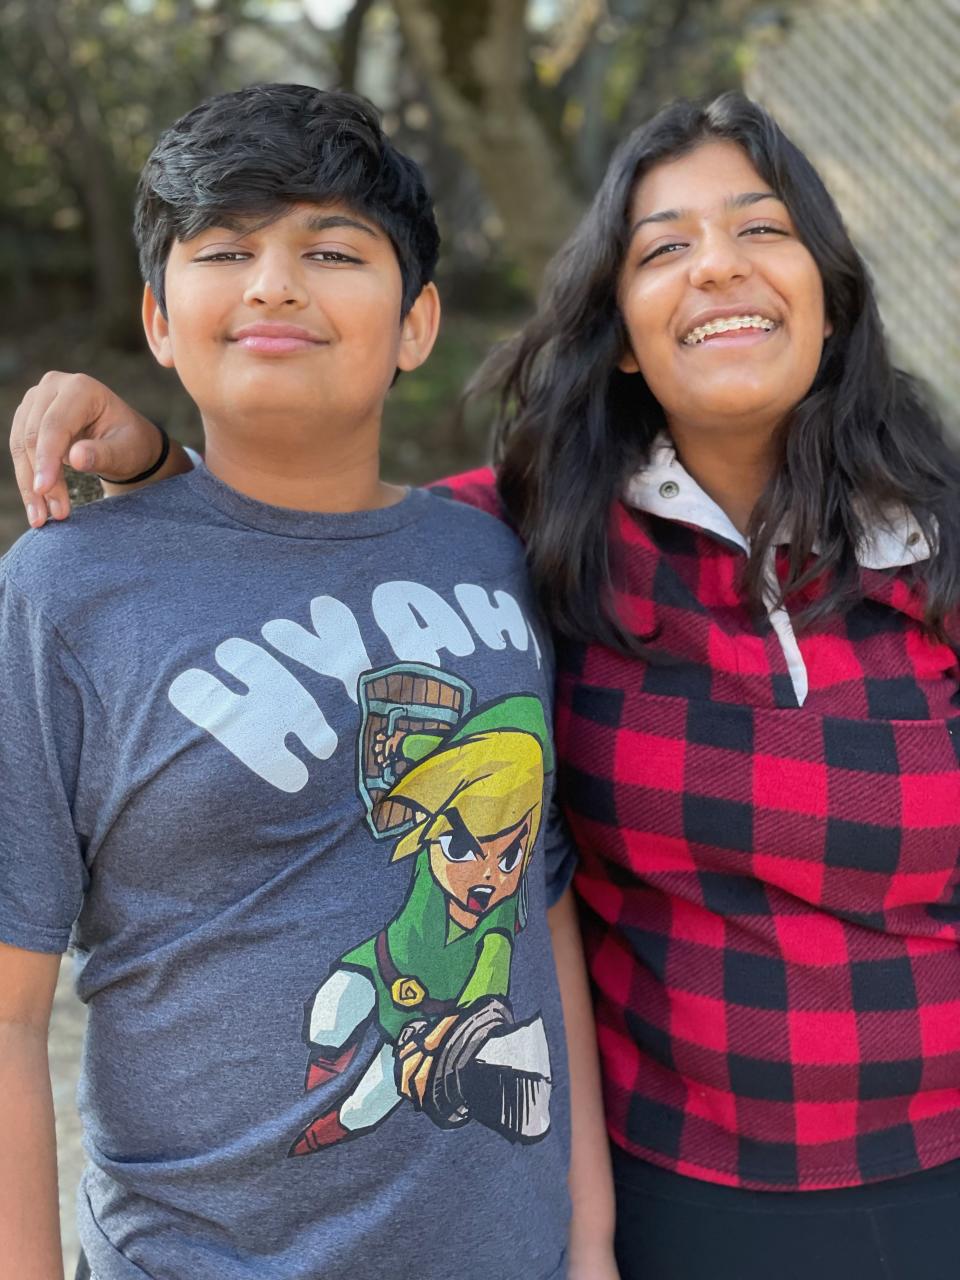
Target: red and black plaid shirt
771,890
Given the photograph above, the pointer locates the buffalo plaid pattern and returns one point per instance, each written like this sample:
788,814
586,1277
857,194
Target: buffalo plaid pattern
770,892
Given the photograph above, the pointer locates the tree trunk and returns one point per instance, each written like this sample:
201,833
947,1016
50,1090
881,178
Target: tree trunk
94,175
348,53
472,59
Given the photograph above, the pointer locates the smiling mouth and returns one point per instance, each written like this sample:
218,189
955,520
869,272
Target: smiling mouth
478,899
272,338
264,344
749,324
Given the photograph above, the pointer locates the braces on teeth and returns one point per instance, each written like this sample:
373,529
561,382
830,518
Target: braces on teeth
726,325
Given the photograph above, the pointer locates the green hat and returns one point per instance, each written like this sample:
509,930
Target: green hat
521,712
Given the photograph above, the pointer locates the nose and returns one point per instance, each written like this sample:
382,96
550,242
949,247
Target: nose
276,282
718,261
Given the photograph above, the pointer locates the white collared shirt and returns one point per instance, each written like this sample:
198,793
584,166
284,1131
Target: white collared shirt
665,488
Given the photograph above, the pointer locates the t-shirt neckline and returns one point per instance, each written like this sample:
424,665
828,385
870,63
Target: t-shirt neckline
293,523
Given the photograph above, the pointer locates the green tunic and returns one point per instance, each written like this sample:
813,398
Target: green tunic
449,962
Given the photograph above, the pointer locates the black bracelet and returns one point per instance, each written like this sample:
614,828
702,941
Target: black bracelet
150,471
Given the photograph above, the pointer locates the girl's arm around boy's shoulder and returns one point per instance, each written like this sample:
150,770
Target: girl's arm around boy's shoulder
590,1254
474,488
71,417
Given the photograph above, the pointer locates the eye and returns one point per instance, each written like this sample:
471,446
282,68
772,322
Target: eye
457,846
333,256
764,231
222,255
511,856
661,250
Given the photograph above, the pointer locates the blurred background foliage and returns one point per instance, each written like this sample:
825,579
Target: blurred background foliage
512,107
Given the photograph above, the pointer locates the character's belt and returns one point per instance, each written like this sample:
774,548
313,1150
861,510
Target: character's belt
407,991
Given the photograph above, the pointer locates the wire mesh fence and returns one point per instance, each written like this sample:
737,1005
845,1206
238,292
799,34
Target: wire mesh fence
870,90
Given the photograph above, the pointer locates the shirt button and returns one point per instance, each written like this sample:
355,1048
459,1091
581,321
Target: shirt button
669,489
913,539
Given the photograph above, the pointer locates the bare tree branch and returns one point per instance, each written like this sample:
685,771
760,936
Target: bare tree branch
571,39
320,56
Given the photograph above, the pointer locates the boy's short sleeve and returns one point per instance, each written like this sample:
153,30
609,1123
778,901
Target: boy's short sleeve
560,854
42,869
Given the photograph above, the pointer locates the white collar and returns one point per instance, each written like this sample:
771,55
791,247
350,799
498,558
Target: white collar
664,488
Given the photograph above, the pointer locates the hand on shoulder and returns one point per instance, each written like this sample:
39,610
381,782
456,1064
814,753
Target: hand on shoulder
72,418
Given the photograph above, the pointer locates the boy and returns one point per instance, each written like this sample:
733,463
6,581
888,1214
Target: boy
229,700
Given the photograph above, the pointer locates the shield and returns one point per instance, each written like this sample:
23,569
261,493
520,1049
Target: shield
396,701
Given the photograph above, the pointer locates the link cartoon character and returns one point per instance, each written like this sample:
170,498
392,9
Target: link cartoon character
465,793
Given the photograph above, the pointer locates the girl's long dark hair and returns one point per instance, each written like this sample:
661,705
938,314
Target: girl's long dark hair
571,427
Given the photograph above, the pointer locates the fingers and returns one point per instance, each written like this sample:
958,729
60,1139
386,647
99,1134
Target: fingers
48,419
68,416
117,448
55,422
421,1079
22,466
23,439
414,1072
436,1034
416,1060
386,749
85,455
74,407
410,1056
99,457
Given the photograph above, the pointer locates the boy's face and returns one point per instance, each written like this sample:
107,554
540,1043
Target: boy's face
291,322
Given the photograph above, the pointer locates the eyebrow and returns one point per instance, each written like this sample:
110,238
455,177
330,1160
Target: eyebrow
742,201
315,222
327,221
458,825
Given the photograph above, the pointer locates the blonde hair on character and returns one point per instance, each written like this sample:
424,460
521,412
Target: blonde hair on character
493,780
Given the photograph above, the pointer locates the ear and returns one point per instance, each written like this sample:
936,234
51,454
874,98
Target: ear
418,332
628,362
157,329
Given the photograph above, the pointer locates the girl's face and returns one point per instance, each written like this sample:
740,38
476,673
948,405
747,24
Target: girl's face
722,303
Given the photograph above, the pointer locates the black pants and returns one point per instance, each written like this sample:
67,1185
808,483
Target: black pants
675,1228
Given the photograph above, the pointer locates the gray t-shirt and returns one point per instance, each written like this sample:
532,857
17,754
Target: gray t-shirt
283,780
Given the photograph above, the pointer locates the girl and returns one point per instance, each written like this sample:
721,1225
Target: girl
742,523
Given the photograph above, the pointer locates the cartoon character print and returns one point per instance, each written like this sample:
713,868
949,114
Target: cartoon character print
460,791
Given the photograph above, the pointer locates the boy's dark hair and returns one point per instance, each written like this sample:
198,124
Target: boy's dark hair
252,153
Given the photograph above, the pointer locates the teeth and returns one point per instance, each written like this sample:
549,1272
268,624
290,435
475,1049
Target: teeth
727,325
